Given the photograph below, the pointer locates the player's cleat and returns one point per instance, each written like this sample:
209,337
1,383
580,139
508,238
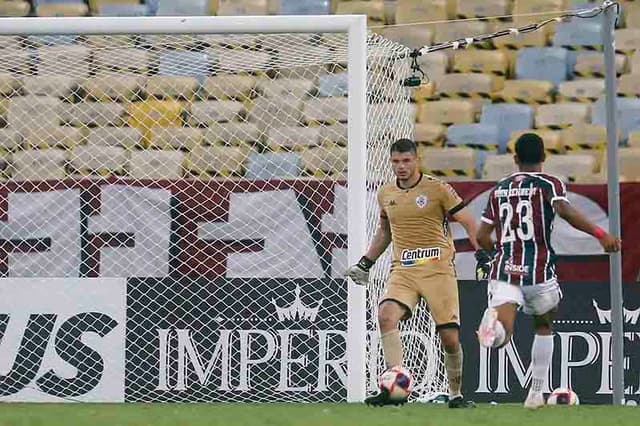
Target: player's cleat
460,402
383,399
534,400
486,332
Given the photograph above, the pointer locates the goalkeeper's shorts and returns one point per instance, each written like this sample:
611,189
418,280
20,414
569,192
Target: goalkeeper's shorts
440,292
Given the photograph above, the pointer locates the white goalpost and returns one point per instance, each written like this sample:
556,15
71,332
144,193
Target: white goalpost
180,198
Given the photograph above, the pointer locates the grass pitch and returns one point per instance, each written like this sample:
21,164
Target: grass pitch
308,415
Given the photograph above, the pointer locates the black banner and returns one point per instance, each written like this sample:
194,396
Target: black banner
582,347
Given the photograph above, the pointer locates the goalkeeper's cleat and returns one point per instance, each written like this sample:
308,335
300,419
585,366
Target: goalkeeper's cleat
487,332
383,399
460,402
534,400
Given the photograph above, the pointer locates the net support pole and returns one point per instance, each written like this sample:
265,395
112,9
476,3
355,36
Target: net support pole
613,184
357,209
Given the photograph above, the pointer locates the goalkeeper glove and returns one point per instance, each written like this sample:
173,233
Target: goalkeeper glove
359,272
483,265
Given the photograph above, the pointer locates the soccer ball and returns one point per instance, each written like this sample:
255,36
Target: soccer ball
398,382
563,396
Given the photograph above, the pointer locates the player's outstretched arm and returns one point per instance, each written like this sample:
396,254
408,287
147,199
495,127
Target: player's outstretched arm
359,272
565,210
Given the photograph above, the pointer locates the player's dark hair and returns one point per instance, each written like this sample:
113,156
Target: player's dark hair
404,145
530,149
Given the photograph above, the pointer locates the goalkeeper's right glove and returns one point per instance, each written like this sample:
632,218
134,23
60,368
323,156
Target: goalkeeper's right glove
359,272
483,265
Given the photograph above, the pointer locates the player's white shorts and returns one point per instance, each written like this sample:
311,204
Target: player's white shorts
534,299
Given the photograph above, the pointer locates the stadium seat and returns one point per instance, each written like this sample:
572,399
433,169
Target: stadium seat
525,92
114,87
206,112
26,113
183,7
412,11
14,8
482,8
156,164
39,165
448,163
118,9
553,141
147,114
634,62
10,43
522,9
629,161
125,137
429,133
184,63
434,65
466,85
233,134
62,9
326,110
59,86
52,137
569,167
448,111
121,41
273,165
336,133
182,138
280,87
127,59
631,12
419,35
229,87
584,136
98,160
475,135
10,139
70,61
493,62
629,85
634,139
453,30
497,166
628,112
518,41
591,64
562,115
233,61
176,87
577,34
89,114
374,10
244,7
584,90
507,118
268,112
15,61
212,160
542,63
325,161
9,84
627,40
305,7
293,138
333,84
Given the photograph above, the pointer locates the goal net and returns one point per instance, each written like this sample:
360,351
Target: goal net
174,216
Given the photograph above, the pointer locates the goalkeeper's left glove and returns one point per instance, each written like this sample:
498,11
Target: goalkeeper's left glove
483,265
359,272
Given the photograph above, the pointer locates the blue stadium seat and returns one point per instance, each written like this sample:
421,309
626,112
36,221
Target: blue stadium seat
305,7
543,63
507,118
333,84
273,165
628,114
578,34
51,40
116,9
192,64
475,135
178,8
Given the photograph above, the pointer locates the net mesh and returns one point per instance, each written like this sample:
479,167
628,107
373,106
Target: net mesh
210,171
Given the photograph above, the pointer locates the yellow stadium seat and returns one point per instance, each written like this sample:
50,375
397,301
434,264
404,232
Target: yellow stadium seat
233,134
207,112
89,114
466,85
59,86
326,110
517,41
412,11
15,61
243,7
98,160
585,137
14,8
419,35
452,31
448,163
177,87
156,164
125,137
553,140
182,138
121,41
210,161
525,91
128,59
274,88
627,40
448,111
10,42
9,84
239,61
269,112
114,87
631,12
71,61
482,8
570,167
41,164
337,133
229,86
94,5
629,161
429,134
562,115
10,139
53,137
62,9
591,64
434,65
373,9
497,166
629,85
26,113
147,114
493,62
325,161
585,90
634,139
528,7
634,63
293,138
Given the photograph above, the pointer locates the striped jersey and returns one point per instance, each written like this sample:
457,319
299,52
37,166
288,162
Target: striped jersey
520,207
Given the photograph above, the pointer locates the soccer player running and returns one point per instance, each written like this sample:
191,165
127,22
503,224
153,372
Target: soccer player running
522,273
414,215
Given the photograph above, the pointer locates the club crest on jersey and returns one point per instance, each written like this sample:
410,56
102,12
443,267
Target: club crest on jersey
517,270
421,201
419,256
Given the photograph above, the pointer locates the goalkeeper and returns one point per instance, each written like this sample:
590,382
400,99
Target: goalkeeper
413,214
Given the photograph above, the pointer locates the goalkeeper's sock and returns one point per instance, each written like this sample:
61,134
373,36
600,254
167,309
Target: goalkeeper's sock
541,354
453,364
392,348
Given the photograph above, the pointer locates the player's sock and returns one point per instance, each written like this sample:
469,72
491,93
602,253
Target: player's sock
541,354
453,364
392,348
